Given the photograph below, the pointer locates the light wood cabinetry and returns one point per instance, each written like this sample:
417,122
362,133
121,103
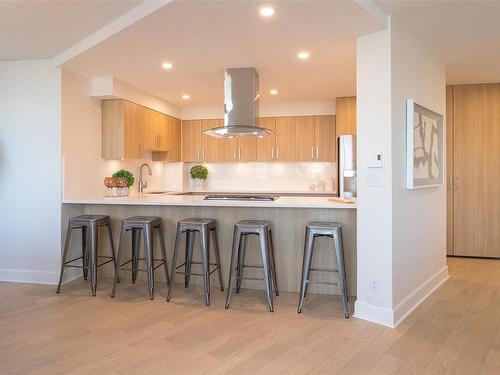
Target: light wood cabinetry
285,138
346,116
325,138
449,170
191,141
169,140
305,141
210,145
122,130
266,146
475,138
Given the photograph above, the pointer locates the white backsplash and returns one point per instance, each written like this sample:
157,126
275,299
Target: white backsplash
262,177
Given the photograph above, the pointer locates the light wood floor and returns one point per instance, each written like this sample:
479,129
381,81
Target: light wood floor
455,331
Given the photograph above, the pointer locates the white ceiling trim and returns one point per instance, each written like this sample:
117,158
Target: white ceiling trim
122,22
372,8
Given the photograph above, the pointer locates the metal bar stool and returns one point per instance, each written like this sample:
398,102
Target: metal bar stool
89,224
334,231
203,227
145,225
241,230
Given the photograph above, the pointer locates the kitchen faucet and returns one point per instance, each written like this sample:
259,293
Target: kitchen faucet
143,184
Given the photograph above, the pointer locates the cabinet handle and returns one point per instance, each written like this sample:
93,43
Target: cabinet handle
317,152
455,184
198,153
234,154
312,153
277,153
239,153
272,153
203,154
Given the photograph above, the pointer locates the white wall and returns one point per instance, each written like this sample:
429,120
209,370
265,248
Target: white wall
401,233
30,171
419,216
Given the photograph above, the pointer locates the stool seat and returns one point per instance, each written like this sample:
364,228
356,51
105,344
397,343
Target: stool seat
194,223
141,220
252,226
85,219
323,225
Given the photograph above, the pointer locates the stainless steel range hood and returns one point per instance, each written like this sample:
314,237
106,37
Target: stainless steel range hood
241,105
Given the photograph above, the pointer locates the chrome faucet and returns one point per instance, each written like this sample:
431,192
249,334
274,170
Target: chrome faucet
143,184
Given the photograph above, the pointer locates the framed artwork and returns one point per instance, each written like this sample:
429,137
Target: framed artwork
424,147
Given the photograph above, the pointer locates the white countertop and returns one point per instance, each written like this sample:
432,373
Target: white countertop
197,200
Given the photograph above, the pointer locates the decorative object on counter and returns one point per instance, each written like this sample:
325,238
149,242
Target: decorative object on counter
123,180
199,174
424,143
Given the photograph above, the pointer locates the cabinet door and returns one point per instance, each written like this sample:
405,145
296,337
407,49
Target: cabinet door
285,138
305,143
346,116
247,149
210,145
112,129
325,139
228,150
163,132
191,141
266,146
174,139
151,129
133,131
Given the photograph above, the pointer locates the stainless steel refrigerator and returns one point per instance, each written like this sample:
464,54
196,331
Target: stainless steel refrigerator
347,176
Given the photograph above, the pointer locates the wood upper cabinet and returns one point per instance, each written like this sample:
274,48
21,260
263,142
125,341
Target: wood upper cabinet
210,145
237,149
305,141
169,140
247,149
325,138
285,138
122,130
191,141
228,150
346,116
266,146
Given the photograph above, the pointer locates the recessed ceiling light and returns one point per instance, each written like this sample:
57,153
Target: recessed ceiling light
266,11
167,65
185,96
273,92
304,55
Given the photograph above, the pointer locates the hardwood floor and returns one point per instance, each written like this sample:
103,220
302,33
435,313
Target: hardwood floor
455,331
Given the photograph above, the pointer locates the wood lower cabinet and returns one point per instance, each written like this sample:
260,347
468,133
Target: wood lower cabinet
346,116
473,132
122,130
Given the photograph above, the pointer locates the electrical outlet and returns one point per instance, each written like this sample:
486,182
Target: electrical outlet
373,287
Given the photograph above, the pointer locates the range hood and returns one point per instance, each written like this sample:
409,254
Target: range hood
241,105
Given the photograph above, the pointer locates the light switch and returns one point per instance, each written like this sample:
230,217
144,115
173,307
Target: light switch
375,160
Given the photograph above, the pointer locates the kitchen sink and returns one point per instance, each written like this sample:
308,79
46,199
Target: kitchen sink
160,192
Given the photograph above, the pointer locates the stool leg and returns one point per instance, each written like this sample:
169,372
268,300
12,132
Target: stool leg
119,257
174,261
164,254
189,256
85,253
148,249
306,266
339,251
64,255
205,263
112,244
232,264
92,240
136,246
273,263
241,261
217,258
264,250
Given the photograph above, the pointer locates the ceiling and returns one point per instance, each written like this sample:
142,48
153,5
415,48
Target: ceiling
201,38
42,29
464,34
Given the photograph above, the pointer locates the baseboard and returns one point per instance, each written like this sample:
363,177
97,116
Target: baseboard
410,302
38,277
375,314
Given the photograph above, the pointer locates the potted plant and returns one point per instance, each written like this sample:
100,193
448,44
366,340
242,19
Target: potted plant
124,180
199,174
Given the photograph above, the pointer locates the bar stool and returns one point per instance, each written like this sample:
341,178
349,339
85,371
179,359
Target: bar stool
89,224
144,225
334,231
203,227
241,230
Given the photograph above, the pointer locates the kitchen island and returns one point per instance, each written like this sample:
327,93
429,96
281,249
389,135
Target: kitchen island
288,215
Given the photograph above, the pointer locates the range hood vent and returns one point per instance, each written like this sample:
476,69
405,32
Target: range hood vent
241,105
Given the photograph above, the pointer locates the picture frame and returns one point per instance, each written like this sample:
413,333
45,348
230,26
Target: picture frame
424,147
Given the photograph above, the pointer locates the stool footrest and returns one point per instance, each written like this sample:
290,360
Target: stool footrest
129,261
197,274
249,278
250,266
325,270
321,282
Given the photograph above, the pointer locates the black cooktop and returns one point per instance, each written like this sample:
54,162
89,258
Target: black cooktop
241,197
